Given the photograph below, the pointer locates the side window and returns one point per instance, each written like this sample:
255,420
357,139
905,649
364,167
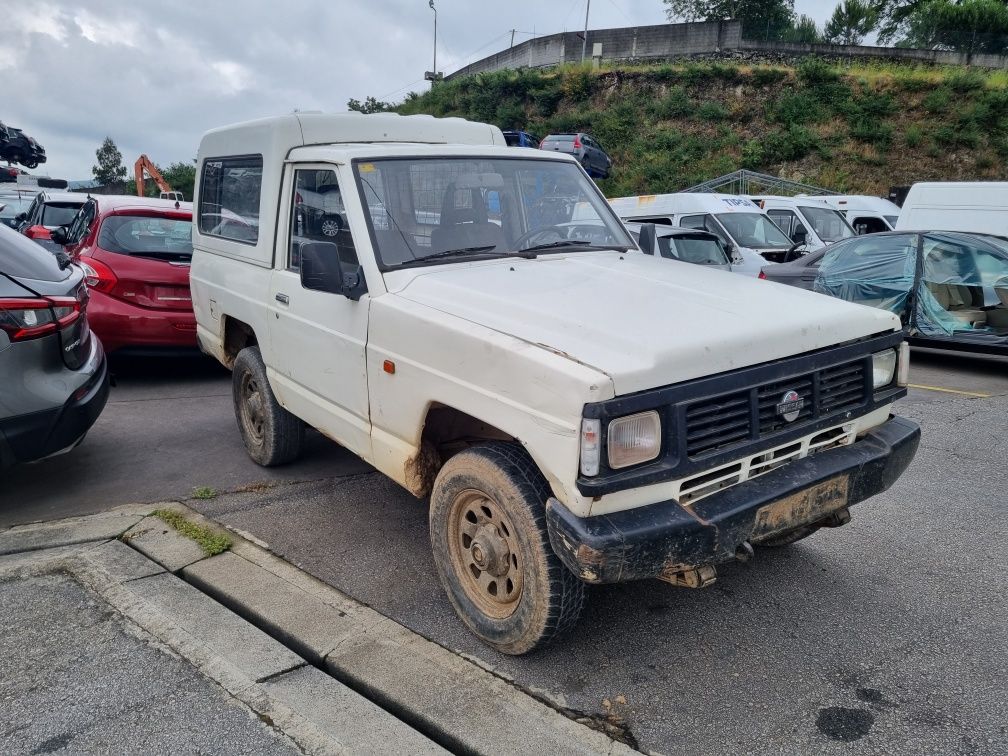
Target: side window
230,190
873,270
318,216
782,218
705,223
693,221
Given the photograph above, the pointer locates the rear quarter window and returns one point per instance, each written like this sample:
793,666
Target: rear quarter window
230,193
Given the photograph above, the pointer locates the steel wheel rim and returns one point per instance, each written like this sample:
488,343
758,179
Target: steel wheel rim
485,553
252,410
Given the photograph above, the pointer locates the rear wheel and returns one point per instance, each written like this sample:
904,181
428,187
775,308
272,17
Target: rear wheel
272,435
492,550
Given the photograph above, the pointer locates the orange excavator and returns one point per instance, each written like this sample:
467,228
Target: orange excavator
145,165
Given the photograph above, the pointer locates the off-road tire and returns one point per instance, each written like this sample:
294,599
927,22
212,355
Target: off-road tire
272,435
551,597
788,537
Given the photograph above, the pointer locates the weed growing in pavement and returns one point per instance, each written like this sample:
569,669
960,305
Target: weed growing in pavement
204,492
212,543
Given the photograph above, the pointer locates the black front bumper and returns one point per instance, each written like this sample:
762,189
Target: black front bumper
30,437
662,538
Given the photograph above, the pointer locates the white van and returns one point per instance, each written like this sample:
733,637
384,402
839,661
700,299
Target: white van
867,214
747,230
569,409
977,206
806,220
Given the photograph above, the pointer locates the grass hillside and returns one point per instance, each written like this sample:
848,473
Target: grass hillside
853,128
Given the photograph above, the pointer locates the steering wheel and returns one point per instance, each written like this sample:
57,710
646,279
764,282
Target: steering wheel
541,236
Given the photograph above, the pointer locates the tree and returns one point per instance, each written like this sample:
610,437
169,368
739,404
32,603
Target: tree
110,168
804,31
969,26
851,21
760,19
370,105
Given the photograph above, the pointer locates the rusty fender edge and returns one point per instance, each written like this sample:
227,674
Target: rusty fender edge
647,541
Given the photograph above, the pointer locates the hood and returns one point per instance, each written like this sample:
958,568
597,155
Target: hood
644,322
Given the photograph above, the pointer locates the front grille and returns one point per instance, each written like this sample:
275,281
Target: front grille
716,424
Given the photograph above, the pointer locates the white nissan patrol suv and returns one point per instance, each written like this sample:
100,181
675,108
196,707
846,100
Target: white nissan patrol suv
575,410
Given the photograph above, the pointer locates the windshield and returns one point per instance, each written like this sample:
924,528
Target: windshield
829,225
699,251
146,235
754,231
452,208
58,215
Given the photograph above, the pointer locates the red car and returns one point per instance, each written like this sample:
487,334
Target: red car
135,253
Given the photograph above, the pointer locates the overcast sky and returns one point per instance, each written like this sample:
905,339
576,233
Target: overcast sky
155,75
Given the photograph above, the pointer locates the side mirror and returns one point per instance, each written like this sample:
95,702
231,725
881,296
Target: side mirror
799,236
321,270
648,241
734,254
60,235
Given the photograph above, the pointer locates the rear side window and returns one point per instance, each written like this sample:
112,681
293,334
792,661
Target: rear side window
230,190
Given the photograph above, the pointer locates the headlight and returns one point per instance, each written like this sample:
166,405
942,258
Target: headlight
634,439
883,368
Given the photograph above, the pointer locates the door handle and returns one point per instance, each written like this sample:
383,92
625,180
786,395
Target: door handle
283,299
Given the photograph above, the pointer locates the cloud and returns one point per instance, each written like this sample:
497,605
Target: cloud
155,75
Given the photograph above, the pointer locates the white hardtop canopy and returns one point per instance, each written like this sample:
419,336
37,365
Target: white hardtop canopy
280,134
868,202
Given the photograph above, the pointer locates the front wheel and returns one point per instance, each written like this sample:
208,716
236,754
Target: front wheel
492,550
272,435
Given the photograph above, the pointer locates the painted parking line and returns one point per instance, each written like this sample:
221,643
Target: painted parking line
977,394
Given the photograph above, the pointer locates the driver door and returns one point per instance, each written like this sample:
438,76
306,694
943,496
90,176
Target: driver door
318,337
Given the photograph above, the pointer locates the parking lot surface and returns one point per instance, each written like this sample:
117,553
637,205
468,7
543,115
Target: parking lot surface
888,635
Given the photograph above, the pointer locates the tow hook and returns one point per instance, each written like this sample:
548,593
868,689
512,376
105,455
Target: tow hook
692,577
838,518
744,552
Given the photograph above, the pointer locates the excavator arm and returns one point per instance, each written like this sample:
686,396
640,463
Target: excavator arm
144,164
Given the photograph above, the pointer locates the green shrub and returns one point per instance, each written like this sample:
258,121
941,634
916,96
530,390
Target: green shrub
577,83
752,155
951,137
937,101
712,111
546,99
875,104
510,115
814,71
763,77
913,136
964,80
872,132
797,107
794,143
675,104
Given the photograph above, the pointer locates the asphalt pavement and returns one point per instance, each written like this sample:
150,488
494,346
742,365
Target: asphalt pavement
77,678
888,635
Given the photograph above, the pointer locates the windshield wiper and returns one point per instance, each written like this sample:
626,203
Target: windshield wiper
457,252
530,251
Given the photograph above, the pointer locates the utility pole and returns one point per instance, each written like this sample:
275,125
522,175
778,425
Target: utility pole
512,37
584,42
434,80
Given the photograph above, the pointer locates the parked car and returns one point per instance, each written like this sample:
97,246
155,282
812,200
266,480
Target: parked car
745,229
575,410
18,147
686,245
867,214
950,289
808,221
8,174
15,202
47,211
135,253
585,149
517,138
53,371
970,206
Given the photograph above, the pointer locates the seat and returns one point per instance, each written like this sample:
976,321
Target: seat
461,226
957,301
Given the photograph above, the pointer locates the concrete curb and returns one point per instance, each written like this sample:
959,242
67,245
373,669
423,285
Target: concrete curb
316,712
392,684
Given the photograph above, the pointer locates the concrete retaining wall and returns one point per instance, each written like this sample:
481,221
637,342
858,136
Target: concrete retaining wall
667,41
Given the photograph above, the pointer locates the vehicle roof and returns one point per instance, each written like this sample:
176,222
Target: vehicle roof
108,203
799,199
64,197
402,150
860,202
280,134
683,202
